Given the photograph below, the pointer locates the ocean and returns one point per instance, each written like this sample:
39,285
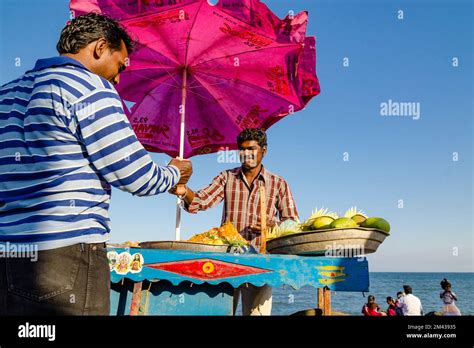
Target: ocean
382,284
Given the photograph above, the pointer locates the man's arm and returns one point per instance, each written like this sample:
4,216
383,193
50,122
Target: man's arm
114,150
205,198
286,204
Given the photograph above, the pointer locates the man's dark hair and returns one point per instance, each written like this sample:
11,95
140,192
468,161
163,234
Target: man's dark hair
371,298
90,27
407,289
256,134
445,284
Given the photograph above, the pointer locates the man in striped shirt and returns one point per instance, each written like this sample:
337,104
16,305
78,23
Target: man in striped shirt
239,189
64,141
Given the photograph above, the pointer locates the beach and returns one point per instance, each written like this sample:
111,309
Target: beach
382,284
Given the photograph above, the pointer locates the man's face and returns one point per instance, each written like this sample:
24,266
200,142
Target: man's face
109,64
251,154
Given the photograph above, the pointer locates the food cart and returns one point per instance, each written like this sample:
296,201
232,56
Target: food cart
149,281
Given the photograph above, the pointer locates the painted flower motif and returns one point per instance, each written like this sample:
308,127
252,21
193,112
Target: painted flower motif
208,267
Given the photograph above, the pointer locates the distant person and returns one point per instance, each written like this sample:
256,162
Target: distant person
373,310
365,307
399,311
392,308
449,299
410,304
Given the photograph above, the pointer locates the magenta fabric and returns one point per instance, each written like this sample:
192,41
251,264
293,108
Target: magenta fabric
245,68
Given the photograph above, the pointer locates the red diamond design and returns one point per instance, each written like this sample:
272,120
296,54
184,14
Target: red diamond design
206,268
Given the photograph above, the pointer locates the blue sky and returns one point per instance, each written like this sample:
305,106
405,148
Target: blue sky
390,158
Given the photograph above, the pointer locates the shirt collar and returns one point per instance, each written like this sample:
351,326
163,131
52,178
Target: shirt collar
56,61
263,174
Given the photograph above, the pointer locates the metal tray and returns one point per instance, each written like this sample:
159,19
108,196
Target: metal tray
350,242
179,245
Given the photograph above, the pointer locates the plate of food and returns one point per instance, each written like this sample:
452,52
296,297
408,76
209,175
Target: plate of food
218,239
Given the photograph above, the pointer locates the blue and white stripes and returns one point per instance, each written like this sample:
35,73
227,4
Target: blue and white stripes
64,139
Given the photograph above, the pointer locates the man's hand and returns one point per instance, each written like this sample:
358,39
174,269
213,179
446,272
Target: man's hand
178,190
185,167
257,229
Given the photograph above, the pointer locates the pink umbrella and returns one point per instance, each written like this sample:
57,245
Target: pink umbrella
227,67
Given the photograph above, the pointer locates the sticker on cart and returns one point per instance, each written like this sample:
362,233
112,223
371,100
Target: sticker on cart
112,256
123,264
137,263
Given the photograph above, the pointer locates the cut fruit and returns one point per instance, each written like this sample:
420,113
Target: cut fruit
356,215
359,218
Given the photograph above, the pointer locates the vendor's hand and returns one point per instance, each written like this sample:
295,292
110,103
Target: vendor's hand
257,229
185,168
178,190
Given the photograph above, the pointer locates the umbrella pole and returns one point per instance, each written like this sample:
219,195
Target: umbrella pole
181,149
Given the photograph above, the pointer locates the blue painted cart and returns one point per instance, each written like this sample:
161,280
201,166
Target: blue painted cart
174,282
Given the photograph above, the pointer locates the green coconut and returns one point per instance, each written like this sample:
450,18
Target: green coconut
322,222
378,223
343,222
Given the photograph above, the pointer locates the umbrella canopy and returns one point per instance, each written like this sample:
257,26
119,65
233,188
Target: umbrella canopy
231,66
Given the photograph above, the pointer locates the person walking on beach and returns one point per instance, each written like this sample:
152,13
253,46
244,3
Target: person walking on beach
64,141
240,189
410,304
449,297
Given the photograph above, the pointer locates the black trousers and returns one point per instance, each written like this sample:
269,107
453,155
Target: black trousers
73,280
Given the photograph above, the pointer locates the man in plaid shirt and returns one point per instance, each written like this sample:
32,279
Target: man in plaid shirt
239,188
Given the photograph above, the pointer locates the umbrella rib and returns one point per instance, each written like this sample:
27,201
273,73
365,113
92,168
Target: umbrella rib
203,97
209,84
152,79
149,92
189,34
172,77
214,99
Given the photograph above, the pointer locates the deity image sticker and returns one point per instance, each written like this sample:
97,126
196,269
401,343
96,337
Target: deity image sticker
113,259
137,263
124,262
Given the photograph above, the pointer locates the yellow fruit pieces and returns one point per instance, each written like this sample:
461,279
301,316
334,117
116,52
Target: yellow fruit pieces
226,234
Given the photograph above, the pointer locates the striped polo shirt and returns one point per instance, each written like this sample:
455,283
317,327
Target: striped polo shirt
64,141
